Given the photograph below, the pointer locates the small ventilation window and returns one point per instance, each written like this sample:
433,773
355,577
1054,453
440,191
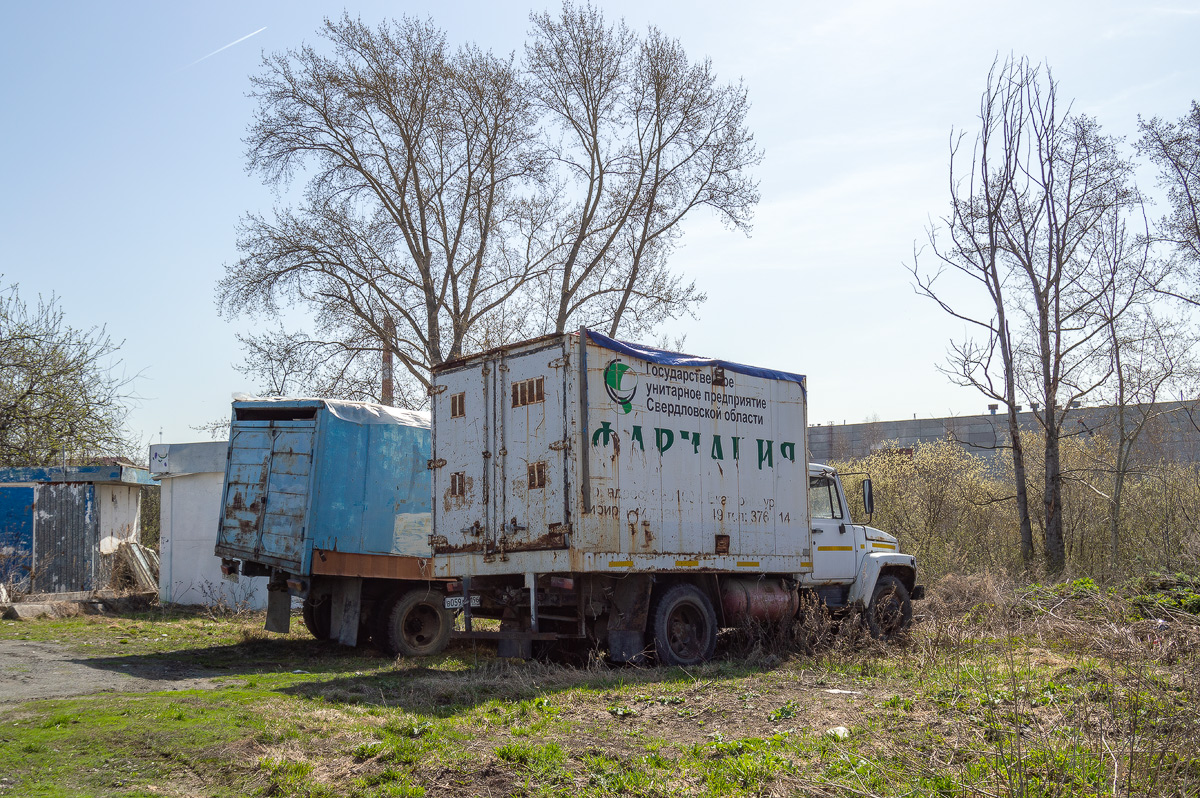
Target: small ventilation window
458,405
458,483
528,392
537,475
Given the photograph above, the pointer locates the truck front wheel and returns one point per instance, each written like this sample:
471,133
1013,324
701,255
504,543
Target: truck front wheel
685,626
415,624
890,612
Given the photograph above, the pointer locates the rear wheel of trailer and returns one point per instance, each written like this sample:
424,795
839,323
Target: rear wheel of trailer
414,623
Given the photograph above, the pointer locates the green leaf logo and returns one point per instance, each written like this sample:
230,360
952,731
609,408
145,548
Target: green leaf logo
621,382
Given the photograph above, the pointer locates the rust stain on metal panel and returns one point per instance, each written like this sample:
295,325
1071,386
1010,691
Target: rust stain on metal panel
555,538
381,566
442,546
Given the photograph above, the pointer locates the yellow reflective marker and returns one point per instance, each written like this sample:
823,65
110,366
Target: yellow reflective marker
884,546
747,565
686,563
620,563
835,548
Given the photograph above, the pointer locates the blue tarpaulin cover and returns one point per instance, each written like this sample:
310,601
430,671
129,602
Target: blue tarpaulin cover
654,355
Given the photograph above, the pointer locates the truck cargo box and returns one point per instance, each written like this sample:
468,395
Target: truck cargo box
580,453
324,476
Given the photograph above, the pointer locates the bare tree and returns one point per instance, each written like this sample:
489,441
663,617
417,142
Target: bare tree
1043,182
416,161
1174,147
62,397
975,252
456,200
640,137
1148,351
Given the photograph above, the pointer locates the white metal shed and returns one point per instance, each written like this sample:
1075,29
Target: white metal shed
192,476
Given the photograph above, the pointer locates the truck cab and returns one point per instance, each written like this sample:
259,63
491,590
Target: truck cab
855,566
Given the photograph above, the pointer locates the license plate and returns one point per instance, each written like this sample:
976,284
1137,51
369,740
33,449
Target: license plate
456,602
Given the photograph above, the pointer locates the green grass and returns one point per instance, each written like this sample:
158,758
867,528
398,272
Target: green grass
112,744
1005,705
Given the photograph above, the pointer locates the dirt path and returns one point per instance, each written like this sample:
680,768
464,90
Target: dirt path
31,670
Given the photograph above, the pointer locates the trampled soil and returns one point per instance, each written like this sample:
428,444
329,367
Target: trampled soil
34,669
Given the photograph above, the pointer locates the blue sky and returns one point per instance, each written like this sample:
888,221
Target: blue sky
123,171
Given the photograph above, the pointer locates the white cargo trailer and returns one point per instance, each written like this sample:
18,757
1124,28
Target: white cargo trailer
638,499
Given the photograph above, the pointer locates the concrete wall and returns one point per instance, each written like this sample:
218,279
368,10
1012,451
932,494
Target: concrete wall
192,477
1170,434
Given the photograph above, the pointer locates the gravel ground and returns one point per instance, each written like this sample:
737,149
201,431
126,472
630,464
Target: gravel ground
31,670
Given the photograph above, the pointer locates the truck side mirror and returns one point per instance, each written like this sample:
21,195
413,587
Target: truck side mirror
868,498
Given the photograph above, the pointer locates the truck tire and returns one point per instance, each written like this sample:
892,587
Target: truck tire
415,623
317,614
685,626
890,611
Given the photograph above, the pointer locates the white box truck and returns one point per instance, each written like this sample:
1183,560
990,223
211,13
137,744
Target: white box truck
636,499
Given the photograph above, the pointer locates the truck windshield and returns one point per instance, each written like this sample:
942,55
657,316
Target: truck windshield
823,498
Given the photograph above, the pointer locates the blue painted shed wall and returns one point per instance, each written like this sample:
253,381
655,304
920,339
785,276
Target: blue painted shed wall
16,533
55,525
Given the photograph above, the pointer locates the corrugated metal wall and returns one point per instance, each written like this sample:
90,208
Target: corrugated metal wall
65,540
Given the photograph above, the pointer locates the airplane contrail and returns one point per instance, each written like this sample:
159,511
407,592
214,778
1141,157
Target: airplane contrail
226,47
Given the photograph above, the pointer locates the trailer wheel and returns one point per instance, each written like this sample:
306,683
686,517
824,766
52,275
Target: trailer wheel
318,614
415,624
890,612
685,626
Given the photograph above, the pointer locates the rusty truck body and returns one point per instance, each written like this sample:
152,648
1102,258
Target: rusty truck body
331,501
629,498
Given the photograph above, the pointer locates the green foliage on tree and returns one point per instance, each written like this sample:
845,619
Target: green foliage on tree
62,397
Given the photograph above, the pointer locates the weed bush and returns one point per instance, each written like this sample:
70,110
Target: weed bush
957,512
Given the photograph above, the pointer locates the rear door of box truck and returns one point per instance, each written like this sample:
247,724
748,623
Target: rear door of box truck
268,484
501,430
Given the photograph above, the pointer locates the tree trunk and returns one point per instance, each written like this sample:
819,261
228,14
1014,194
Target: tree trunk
1014,425
1055,549
1018,449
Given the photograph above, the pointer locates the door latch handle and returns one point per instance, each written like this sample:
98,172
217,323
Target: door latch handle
817,531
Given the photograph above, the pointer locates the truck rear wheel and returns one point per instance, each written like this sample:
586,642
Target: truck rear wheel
415,624
685,626
890,612
317,614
